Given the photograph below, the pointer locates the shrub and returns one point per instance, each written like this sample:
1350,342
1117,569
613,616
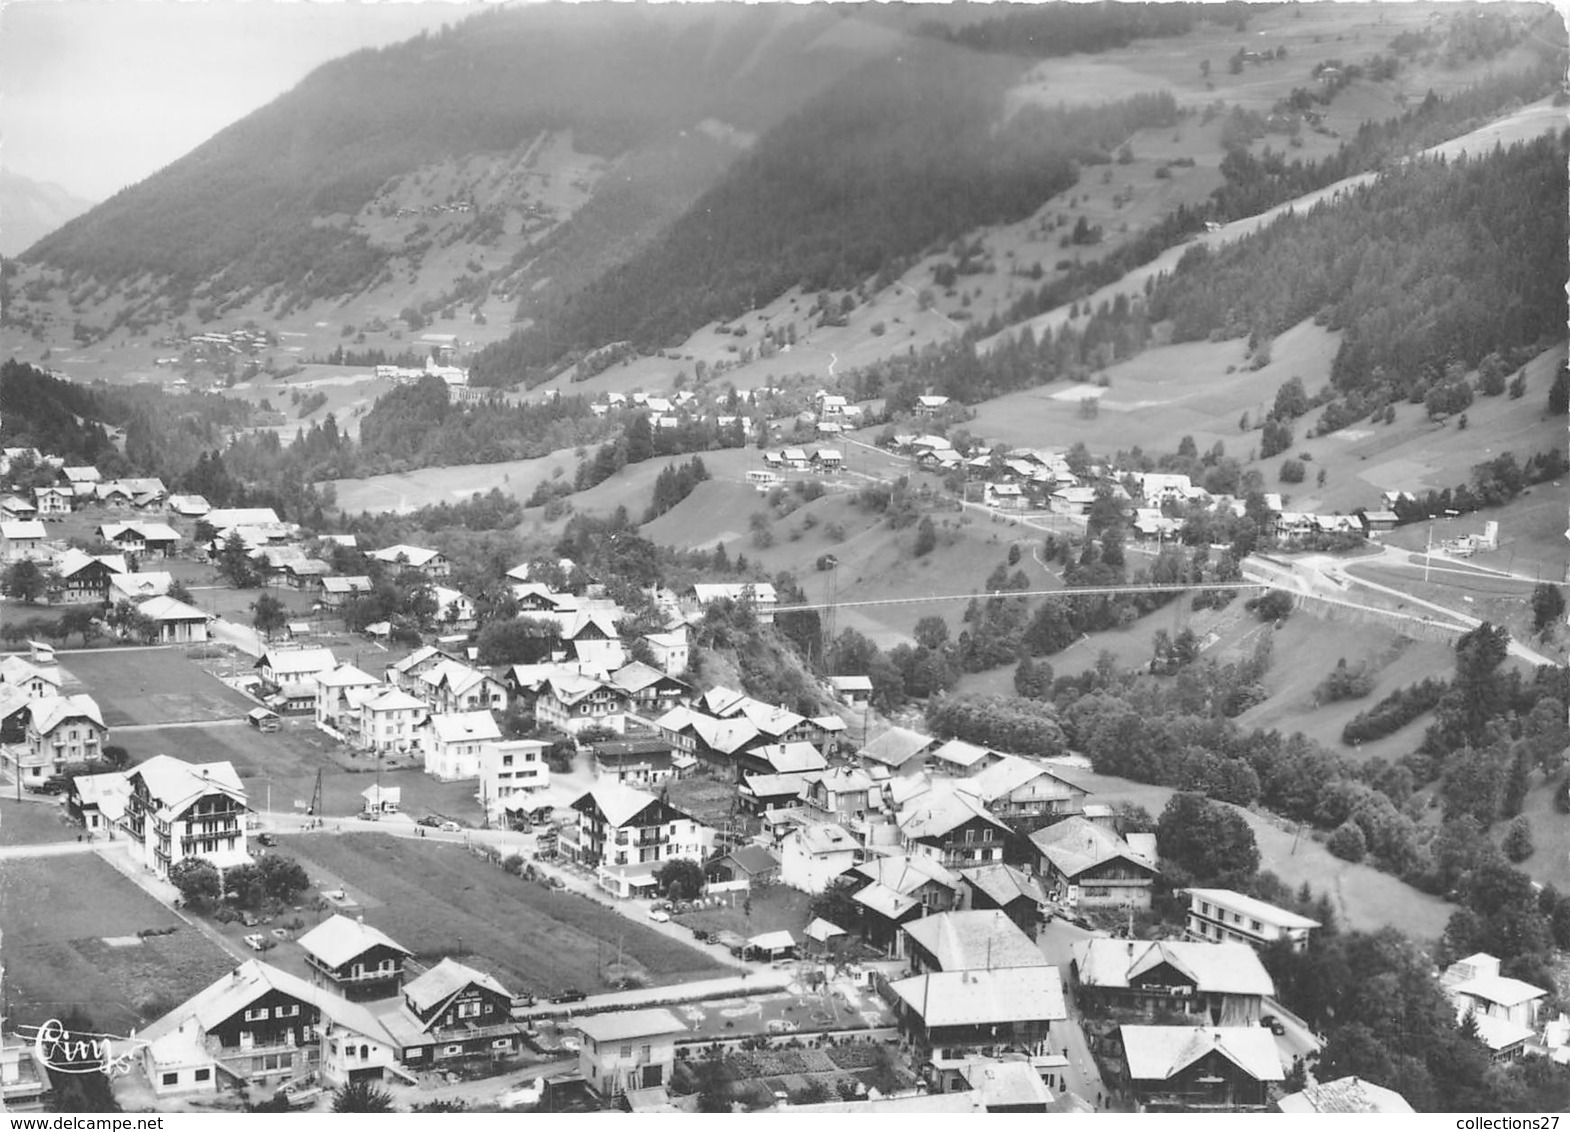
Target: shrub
1518,839
1292,471
1348,842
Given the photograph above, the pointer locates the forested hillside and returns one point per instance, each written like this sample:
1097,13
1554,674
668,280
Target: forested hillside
242,205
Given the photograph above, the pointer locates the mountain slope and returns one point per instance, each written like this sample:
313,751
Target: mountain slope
30,210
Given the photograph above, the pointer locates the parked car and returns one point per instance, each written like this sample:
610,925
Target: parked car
368,816
266,839
571,994
430,822
1273,1024
255,941
450,827
659,915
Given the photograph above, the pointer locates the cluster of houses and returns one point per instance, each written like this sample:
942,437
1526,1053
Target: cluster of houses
459,391
45,728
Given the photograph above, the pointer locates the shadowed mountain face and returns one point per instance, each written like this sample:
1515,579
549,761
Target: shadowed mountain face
30,210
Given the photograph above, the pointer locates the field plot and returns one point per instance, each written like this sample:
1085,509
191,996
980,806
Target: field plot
1365,898
142,686
34,822
768,909
439,900
70,932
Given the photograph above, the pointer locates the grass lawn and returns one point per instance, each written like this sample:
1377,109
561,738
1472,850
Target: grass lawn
31,822
774,907
69,924
442,900
145,686
707,799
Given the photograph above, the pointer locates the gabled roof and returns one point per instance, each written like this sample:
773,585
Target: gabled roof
1500,990
109,792
1005,884
1007,775
346,676
1075,845
20,670
413,555
774,785
968,941
175,783
851,683
74,561
722,701
23,529
824,837
394,699
1158,1053
841,779
636,676
906,874
570,687
897,746
465,727
1007,1084
1345,1094
141,583
1214,968
297,662
769,719
792,758
168,609
980,998
822,931
726,736
883,900
1500,1034
251,980
338,939
960,753
933,815
348,583
620,804
51,711
444,980
754,859
625,1025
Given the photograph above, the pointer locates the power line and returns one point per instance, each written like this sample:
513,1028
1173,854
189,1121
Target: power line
1083,591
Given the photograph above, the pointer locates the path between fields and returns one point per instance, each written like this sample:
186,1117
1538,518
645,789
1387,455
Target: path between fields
221,721
759,979
45,849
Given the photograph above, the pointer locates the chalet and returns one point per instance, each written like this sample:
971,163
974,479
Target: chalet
98,802
432,563
1014,893
511,771
1223,984
390,723
23,538
853,690
591,638
762,793
759,596
897,752
289,676
827,460
930,405
179,809
830,404
15,507
1004,496
454,610
969,941
840,794
894,891
1291,525
178,623
52,501
261,1027
452,1013
1083,864
405,674
1072,500
1217,914
780,758
339,694
1202,1069
1157,488
651,691
35,681
813,856
1504,1010
723,743
1376,523
751,863
85,577
83,479
354,959
625,834
452,686
1013,788
960,759
142,492
624,1051
571,703
157,540
795,459
339,591
952,828
955,1017
1007,1086
139,585
60,730
1150,523
635,762
453,742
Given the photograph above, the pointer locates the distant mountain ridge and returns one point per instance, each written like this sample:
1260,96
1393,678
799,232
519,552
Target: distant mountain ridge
30,210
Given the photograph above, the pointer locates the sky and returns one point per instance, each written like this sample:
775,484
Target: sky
96,95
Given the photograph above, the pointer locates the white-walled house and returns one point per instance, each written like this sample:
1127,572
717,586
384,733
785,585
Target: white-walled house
178,809
511,771
453,743
813,856
390,723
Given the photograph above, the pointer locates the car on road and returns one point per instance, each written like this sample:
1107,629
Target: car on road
1273,1024
430,822
266,839
368,817
659,915
571,994
255,941
450,827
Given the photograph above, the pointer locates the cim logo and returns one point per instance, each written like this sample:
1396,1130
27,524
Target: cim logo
80,1051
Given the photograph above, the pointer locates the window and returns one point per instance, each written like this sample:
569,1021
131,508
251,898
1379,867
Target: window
646,1052
502,1043
171,1078
1255,925
257,1015
202,1075
626,1052
292,1011
468,1010
986,834
452,1051
506,760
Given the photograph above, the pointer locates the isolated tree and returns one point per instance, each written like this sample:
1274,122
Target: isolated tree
1210,840
1518,839
1548,605
268,615
1559,392
24,581
282,878
680,879
199,882
926,537
1348,842
931,632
